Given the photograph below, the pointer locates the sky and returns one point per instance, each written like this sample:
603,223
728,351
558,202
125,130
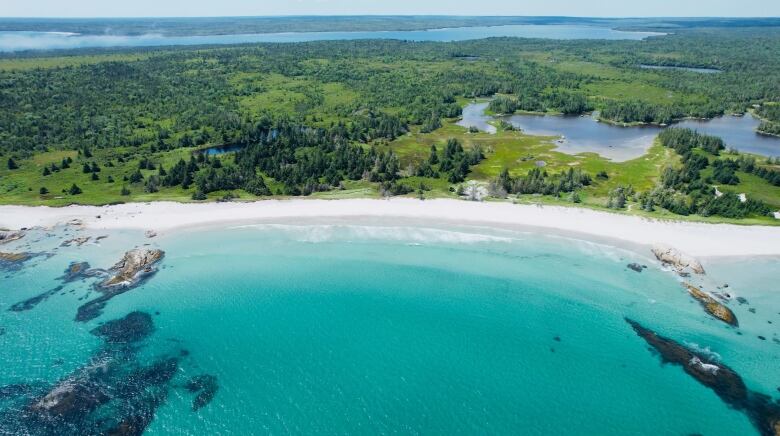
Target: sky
210,8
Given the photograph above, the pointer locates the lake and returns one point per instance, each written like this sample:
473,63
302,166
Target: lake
374,329
585,134
11,41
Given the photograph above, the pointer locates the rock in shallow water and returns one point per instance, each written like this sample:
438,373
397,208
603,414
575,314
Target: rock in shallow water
712,306
133,267
136,266
8,236
679,261
763,412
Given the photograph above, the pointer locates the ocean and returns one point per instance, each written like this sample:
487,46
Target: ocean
367,328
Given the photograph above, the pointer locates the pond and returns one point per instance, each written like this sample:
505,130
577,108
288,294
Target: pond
691,69
579,134
220,149
11,41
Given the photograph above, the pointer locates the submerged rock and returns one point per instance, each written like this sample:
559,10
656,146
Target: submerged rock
134,327
636,267
133,267
679,261
206,386
113,393
14,257
8,236
763,412
76,241
712,306
31,302
13,261
78,270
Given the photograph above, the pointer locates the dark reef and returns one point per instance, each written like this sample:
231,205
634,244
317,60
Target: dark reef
134,327
763,412
30,303
114,393
206,387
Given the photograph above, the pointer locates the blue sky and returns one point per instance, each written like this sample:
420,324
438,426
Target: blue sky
598,8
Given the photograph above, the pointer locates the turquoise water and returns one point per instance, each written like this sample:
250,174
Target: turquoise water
11,41
370,329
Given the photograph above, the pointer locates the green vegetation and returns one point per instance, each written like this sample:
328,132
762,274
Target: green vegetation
366,118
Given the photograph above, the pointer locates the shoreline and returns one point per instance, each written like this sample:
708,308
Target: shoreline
696,239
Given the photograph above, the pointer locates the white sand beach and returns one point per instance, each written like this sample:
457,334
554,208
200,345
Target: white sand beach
697,239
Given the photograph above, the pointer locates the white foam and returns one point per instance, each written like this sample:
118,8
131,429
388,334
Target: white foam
409,235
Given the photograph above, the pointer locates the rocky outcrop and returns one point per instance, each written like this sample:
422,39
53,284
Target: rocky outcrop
763,412
15,261
133,267
712,306
12,258
680,262
136,266
7,236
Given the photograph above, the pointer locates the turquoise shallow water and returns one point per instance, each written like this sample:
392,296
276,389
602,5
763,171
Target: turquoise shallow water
366,329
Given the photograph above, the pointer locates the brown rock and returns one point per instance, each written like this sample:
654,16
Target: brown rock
14,257
712,306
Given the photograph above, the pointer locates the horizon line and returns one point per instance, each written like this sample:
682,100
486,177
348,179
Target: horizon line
627,17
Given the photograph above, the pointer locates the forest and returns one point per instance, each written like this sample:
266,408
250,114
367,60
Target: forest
349,118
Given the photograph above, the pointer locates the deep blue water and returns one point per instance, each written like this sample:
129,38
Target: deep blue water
26,40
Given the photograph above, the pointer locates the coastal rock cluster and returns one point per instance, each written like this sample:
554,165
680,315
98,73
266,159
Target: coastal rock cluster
763,412
133,268
113,393
680,262
136,266
712,306
8,236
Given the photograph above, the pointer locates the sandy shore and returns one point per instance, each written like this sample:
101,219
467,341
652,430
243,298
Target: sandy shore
697,239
